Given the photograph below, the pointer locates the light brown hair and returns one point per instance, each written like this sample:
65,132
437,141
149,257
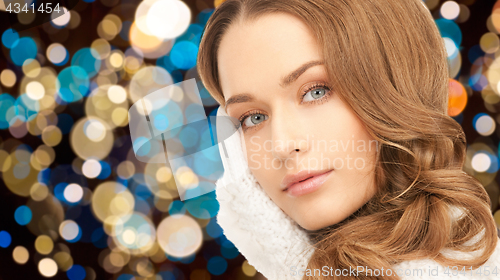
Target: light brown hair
386,59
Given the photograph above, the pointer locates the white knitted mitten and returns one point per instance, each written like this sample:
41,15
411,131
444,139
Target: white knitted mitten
269,239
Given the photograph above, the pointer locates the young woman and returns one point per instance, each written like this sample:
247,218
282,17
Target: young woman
346,164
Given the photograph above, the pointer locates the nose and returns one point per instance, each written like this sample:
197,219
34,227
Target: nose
289,133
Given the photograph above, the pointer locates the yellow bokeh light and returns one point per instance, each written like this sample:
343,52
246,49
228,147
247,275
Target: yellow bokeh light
164,174
51,135
5,161
179,235
112,199
44,244
85,145
45,155
186,177
64,260
248,269
125,169
116,60
119,117
117,94
31,68
218,2
102,47
8,78
39,191
489,42
20,255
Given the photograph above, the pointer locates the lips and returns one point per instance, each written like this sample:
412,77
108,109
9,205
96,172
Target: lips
296,183
291,179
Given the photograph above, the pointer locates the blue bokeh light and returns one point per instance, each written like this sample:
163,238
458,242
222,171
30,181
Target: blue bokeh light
5,239
76,272
7,110
87,59
176,207
23,215
72,84
183,55
22,49
213,229
449,28
203,207
9,37
217,265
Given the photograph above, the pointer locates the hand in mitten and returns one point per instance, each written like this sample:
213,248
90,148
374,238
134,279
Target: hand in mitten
269,239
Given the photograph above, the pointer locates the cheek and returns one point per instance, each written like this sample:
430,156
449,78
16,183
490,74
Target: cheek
256,155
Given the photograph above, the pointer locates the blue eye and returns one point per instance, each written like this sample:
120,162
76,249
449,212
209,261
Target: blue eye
255,119
316,93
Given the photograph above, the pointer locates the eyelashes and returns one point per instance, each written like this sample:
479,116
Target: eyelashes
314,87
319,85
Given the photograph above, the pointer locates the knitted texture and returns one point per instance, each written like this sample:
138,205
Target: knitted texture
269,239
430,269
274,243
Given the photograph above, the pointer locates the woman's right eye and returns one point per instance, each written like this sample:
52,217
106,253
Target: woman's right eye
252,120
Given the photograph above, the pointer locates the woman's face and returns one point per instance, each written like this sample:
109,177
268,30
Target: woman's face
295,122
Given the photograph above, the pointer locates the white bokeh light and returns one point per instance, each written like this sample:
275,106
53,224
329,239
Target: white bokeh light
451,47
485,125
47,267
165,19
91,168
61,20
450,10
481,162
69,230
73,193
35,90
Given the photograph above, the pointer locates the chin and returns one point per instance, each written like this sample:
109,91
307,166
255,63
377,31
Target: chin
315,222
310,227
313,225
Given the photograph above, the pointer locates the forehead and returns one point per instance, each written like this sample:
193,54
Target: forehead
262,51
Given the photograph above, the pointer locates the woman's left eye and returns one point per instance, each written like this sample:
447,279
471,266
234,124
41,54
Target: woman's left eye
316,93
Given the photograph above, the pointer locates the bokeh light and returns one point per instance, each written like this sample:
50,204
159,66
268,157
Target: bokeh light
5,239
47,267
73,193
70,231
44,244
20,255
179,235
23,215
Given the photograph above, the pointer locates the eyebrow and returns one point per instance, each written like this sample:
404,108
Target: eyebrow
285,81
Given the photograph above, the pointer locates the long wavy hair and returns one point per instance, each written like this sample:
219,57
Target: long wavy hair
387,61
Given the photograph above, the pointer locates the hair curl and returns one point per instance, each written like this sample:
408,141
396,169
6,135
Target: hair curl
398,87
